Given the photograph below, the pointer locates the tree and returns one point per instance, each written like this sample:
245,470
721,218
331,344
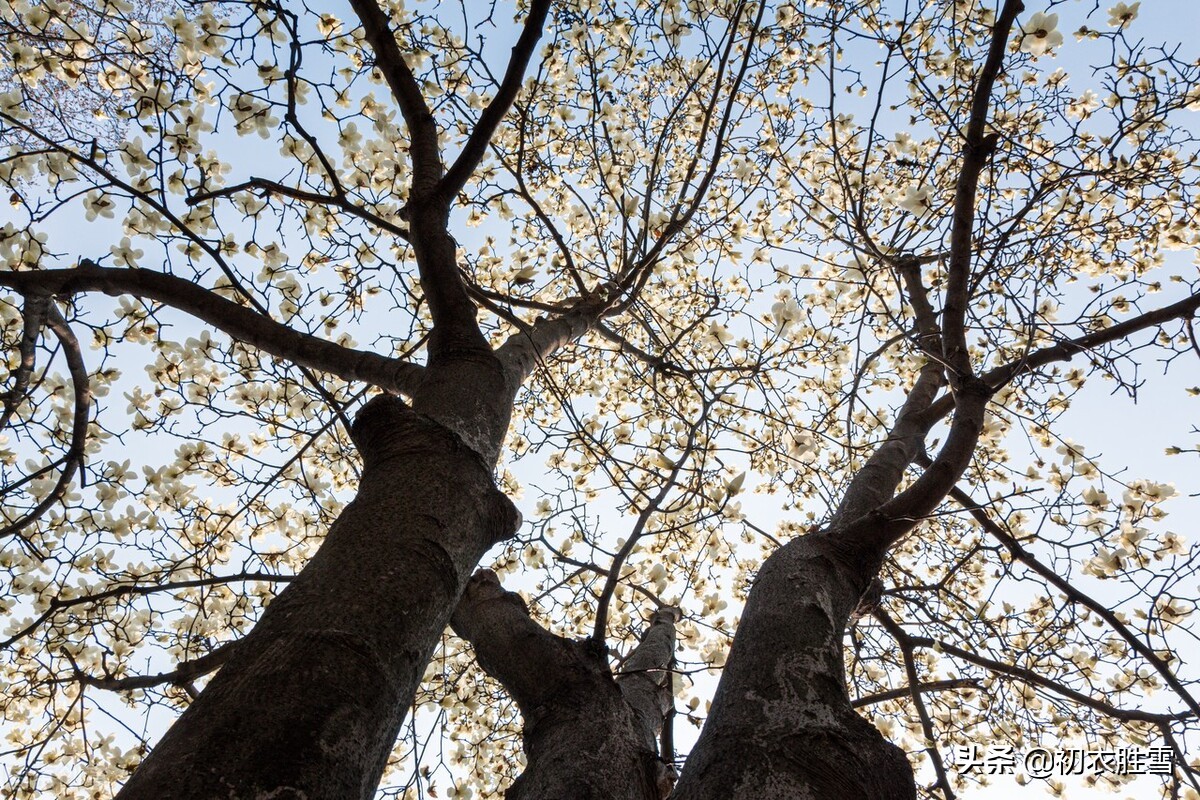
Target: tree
645,181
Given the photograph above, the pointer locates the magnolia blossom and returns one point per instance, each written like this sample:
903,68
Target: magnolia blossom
915,199
803,445
125,254
785,312
718,333
1040,35
1122,13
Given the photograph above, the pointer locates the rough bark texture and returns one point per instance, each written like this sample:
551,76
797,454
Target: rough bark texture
310,703
781,723
583,739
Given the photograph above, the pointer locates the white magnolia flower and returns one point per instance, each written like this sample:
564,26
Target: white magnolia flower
1039,34
1122,13
785,312
915,200
125,254
718,333
803,445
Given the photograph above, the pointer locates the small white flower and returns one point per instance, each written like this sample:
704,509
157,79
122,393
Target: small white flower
125,254
1122,14
802,445
718,334
1039,35
1083,106
915,200
785,312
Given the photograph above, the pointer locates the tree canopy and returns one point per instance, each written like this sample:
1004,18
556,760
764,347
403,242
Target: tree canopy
791,296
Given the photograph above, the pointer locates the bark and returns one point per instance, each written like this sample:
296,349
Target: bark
781,723
310,703
587,735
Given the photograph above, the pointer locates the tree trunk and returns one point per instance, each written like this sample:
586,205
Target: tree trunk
587,736
781,724
311,701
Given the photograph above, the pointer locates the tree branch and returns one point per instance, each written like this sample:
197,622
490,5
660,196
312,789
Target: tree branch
237,321
977,148
998,377
914,680
1034,678
1019,553
34,317
72,460
271,187
422,128
645,677
185,672
477,143
876,482
524,350
892,520
907,691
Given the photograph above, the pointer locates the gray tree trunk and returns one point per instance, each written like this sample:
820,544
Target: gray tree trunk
588,735
311,701
781,723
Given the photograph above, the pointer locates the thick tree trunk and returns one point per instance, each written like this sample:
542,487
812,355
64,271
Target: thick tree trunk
311,702
587,736
781,724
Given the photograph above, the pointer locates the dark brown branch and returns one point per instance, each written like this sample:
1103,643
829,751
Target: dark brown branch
72,460
914,680
883,526
600,629
34,315
271,187
57,605
525,350
646,682
477,143
1034,678
237,321
1019,553
874,532
497,624
636,275
876,482
907,691
977,148
422,128
296,55
1069,348
184,673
